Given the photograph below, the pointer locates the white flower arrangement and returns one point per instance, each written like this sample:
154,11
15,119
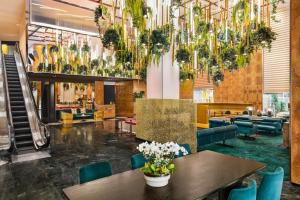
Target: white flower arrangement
160,157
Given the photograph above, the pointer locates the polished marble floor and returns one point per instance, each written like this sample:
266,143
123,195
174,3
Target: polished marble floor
72,147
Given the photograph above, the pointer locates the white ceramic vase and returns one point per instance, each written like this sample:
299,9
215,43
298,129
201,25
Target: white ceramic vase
157,181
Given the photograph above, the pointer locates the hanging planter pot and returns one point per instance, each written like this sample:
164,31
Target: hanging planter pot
111,38
183,56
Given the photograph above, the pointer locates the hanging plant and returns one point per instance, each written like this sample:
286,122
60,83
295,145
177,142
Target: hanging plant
183,56
137,9
67,69
124,57
159,42
144,39
222,36
111,38
218,77
263,37
203,51
197,11
143,73
85,48
274,4
82,70
228,57
95,63
50,67
186,74
54,49
73,47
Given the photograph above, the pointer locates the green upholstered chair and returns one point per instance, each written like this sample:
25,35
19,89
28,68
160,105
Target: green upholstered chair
137,161
244,193
271,185
94,171
246,128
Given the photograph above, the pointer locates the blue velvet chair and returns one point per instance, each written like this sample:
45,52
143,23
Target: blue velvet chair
94,171
245,193
187,148
246,128
270,126
137,161
217,123
271,185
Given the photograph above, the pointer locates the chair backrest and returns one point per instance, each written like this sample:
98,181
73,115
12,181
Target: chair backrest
246,193
137,161
271,185
94,171
187,148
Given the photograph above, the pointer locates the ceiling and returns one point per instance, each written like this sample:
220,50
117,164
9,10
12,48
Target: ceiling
11,12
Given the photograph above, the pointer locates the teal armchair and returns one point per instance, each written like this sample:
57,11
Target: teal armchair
246,193
246,128
94,171
271,185
137,161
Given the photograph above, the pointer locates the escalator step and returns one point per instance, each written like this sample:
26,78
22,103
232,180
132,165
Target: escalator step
24,143
25,136
13,82
15,88
17,103
21,124
17,98
20,119
19,113
22,130
18,108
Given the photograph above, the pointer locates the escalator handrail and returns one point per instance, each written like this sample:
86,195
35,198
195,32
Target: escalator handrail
47,133
7,103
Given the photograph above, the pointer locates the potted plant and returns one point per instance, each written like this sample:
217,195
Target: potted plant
111,38
159,165
183,56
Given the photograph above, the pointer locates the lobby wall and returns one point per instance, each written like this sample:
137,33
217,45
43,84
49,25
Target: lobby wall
295,91
242,86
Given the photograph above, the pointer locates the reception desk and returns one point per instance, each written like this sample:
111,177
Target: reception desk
207,110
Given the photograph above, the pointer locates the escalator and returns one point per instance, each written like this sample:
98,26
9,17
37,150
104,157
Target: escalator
26,131
22,131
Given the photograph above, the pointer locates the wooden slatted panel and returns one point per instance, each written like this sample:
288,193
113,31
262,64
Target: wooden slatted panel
276,63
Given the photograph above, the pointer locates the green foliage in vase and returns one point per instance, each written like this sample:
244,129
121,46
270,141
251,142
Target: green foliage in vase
263,37
67,69
155,171
82,70
183,56
111,38
95,63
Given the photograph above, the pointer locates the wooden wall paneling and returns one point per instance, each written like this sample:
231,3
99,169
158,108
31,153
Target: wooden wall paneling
124,99
242,86
186,89
99,92
295,91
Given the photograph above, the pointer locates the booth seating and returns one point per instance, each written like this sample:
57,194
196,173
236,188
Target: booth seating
270,125
213,135
77,115
217,123
67,118
246,128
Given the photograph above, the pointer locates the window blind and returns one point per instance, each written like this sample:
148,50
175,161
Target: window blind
276,63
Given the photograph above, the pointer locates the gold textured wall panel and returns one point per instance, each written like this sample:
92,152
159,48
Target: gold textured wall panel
124,99
186,90
164,120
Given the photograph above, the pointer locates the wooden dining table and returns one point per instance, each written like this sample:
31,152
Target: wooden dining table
196,176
